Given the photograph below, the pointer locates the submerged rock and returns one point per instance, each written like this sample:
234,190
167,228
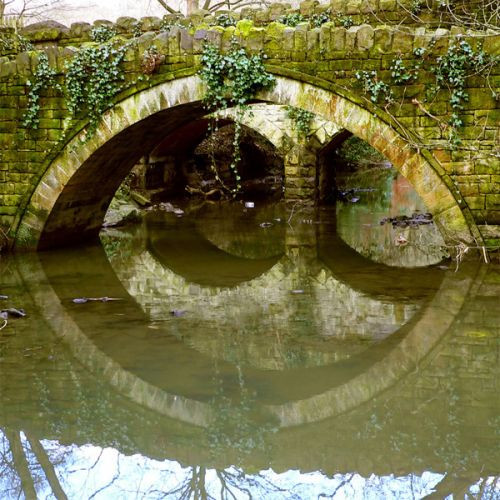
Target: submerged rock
416,219
167,207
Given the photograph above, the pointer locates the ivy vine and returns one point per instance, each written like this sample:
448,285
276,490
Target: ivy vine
102,33
301,119
93,78
14,42
225,20
319,19
451,71
44,78
293,19
377,89
232,79
344,21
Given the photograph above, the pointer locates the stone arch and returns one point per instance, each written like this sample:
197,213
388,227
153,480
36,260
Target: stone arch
179,155
73,194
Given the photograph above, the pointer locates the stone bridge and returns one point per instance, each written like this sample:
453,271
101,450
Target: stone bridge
55,186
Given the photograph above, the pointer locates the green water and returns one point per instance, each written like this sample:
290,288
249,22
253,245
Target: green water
293,367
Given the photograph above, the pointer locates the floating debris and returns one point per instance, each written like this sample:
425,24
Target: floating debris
297,292
177,312
4,297
84,300
167,207
401,241
12,311
249,204
415,220
265,224
348,194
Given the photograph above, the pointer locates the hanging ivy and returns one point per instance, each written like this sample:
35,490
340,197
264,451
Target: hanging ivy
225,20
451,71
102,33
44,78
302,120
93,78
232,79
293,19
14,42
377,89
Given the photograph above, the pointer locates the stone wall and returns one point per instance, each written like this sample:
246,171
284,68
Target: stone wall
329,56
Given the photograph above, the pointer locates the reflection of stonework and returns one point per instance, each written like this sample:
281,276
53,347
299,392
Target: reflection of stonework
281,329
450,355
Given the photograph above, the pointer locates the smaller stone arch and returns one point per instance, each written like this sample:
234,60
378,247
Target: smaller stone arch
300,153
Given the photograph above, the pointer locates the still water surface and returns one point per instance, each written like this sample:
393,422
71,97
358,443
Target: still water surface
252,354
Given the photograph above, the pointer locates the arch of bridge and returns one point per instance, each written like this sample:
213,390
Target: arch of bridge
73,194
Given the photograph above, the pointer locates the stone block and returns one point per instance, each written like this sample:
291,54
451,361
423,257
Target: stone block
387,5
402,42
150,23
125,24
307,7
365,37
255,39
313,41
491,45
382,40
493,201
353,6
368,6
475,202
338,39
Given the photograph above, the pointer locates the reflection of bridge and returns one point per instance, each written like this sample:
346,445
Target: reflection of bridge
412,362
158,290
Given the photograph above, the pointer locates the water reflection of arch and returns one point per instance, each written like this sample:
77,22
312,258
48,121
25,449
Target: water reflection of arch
406,353
350,267
194,257
343,262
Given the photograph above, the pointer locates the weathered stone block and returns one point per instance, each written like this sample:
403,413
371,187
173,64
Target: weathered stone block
338,38
402,42
493,201
491,45
255,39
307,7
126,24
365,37
387,5
353,6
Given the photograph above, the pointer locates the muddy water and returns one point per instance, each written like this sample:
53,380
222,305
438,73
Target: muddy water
253,353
